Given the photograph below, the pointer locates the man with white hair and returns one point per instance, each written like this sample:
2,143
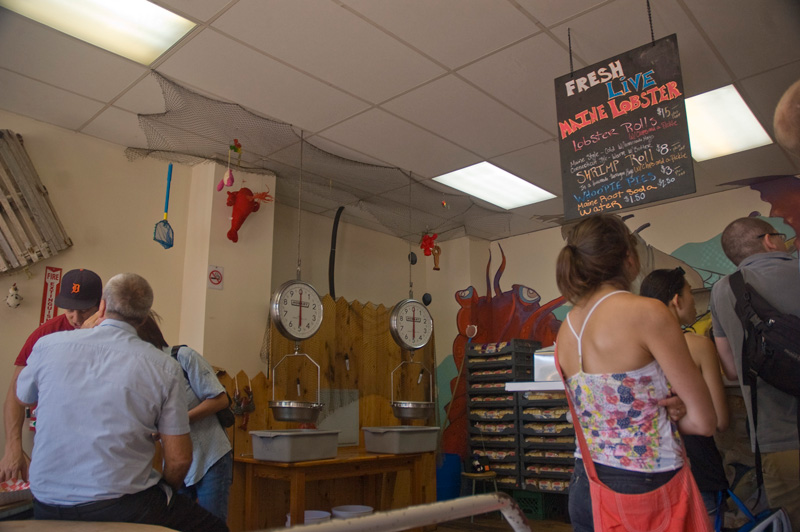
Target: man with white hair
102,395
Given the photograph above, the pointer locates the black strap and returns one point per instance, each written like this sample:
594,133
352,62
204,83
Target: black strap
749,318
175,349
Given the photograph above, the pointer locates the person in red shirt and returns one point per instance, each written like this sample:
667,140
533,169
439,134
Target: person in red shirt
79,298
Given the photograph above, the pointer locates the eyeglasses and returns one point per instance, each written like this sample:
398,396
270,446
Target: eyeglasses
782,235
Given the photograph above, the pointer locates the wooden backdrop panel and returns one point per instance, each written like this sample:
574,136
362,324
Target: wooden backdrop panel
355,335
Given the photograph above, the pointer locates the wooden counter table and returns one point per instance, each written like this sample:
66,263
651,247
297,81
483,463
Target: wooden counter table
349,462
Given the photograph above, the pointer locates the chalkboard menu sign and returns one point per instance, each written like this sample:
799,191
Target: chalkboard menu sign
623,135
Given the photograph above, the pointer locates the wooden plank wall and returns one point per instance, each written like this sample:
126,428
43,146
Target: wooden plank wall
354,332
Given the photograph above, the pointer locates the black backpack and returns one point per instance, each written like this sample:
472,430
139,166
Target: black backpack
770,351
771,347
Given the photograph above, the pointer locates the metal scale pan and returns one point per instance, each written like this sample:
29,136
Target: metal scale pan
412,409
296,411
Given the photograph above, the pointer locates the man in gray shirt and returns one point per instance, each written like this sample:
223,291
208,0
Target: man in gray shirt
102,394
759,252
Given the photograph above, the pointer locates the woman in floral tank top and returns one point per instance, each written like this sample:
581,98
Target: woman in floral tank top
622,363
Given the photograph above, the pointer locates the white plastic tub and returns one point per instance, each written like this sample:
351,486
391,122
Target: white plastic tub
351,510
400,439
311,516
294,445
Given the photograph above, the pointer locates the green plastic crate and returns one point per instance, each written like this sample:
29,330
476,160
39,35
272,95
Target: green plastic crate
538,506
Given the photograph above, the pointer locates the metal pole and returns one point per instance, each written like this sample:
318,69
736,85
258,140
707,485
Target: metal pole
428,514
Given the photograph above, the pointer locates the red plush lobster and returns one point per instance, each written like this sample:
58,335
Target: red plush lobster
244,202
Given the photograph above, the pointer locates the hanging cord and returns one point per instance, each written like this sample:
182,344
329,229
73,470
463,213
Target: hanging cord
569,40
299,204
650,18
410,283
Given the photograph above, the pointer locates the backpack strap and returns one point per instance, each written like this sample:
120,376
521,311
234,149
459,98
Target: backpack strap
175,349
749,318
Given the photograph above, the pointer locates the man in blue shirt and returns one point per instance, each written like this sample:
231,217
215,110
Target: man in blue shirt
102,395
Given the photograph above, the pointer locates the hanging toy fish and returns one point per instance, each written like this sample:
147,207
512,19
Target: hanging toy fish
243,202
227,178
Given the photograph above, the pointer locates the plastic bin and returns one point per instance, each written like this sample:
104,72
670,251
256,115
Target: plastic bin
351,510
311,516
400,439
294,445
539,506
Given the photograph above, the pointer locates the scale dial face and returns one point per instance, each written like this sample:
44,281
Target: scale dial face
296,310
411,324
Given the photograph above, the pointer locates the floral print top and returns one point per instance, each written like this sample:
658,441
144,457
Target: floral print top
623,425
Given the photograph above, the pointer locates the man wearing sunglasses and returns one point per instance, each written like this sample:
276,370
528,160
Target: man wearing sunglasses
759,252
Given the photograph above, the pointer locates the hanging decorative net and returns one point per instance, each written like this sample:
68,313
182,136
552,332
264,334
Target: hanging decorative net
195,129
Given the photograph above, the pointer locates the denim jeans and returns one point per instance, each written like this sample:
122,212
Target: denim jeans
211,492
146,507
619,480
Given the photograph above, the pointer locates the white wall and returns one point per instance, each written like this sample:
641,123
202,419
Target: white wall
369,266
109,207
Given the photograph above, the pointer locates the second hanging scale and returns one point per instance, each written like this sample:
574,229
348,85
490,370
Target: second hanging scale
411,325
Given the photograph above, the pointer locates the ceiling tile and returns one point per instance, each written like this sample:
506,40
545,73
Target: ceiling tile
200,9
400,143
52,57
454,32
752,36
456,110
117,126
766,160
31,98
326,41
550,13
539,164
258,82
145,97
522,75
763,91
701,68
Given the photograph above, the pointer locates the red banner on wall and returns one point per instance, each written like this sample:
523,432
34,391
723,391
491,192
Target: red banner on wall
52,284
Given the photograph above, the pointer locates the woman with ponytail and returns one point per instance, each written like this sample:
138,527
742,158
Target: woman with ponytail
622,359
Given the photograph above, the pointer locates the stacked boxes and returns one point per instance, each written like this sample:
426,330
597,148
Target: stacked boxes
547,444
493,413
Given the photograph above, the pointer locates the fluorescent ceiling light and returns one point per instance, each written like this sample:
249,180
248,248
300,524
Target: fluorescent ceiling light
720,123
135,29
490,183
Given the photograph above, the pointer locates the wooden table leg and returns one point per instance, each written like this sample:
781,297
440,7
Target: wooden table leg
416,481
250,504
297,497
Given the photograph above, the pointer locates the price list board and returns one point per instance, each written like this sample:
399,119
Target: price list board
623,134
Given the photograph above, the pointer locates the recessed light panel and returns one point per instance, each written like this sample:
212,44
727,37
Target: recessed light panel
135,29
490,183
720,123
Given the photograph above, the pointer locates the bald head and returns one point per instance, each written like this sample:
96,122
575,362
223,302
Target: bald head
787,120
740,239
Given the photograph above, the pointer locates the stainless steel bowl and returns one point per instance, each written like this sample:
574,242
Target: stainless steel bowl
412,409
299,411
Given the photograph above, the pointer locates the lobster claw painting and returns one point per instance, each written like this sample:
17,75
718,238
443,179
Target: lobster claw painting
244,202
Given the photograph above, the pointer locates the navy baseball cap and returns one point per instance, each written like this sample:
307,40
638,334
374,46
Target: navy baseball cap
80,290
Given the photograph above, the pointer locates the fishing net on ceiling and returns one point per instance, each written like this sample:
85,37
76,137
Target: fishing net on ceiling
195,129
